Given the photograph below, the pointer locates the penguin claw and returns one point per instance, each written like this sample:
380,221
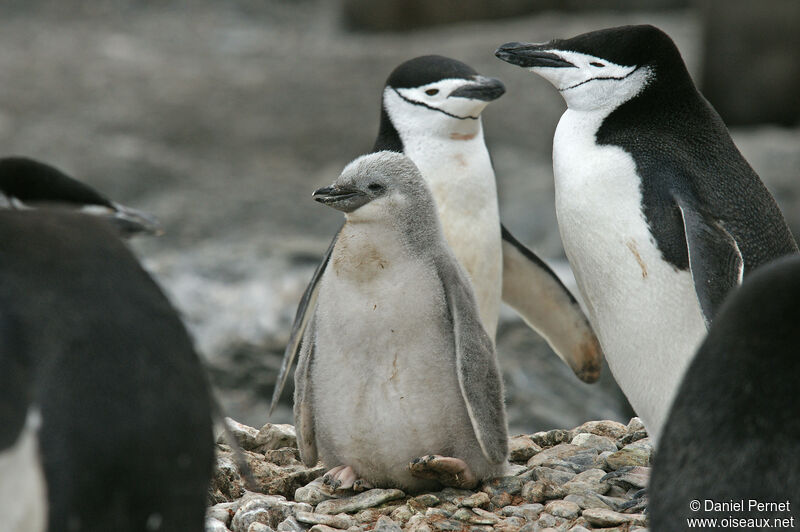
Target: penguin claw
342,478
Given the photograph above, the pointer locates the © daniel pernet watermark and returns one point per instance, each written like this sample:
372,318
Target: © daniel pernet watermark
742,513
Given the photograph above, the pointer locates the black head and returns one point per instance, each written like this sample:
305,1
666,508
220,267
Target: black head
32,181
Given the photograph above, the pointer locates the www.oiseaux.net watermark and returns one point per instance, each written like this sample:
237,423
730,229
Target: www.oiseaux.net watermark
742,513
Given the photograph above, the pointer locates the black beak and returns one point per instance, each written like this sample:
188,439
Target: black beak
529,55
345,199
486,89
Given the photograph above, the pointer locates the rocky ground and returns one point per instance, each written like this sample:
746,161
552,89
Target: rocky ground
586,478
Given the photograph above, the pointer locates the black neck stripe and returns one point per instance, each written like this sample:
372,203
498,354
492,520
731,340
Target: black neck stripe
414,102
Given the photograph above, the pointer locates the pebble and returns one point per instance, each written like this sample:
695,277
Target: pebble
529,512
245,436
606,518
552,475
314,493
522,448
609,429
215,525
267,509
222,512
385,524
290,524
336,521
275,436
591,500
322,528
542,490
402,514
593,441
259,527
565,509
632,477
283,456
590,480
637,453
551,437
480,499
367,499
578,528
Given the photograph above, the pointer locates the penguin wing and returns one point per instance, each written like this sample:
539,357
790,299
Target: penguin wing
539,296
303,407
715,260
476,364
16,382
304,311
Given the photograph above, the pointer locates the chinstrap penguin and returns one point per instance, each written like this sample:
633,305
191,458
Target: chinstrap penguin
397,384
733,433
105,411
659,213
431,112
27,183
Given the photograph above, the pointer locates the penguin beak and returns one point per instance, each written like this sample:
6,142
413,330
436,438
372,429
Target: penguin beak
341,198
529,55
483,88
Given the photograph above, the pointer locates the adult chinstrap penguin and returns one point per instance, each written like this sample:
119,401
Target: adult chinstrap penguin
397,384
733,433
659,213
27,183
431,112
105,421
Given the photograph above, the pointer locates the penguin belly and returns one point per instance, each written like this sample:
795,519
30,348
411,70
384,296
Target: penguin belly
385,387
644,310
462,181
23,488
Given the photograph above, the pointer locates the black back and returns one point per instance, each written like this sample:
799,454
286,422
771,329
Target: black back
126,426
415,73
682,147
31,181
733,432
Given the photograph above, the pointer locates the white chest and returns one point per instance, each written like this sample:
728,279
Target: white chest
23,489
461,178
644,311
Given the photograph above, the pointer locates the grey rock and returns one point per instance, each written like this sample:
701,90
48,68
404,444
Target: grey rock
402,514
635,477
451,494
418,524
634,425
283,457
314,493
222,512
553,475
259,527
336,521
275,436
522,448
215,525
559,451
590,499
633,454
425,500
510,524
565,509
497,486
367,499
590,480
245,435
257,508
290,524
605,518
551,437
480,499
439,512
579,528
322,528
529,512
546,521
593,441
385,524
542,490
606,428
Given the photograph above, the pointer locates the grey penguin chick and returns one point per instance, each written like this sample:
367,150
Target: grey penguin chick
733,432
431,111
659,213
397,381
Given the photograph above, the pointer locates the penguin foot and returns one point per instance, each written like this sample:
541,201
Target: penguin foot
342,478
448,471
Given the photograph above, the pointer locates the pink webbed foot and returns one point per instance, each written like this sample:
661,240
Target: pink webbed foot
448,471
342,478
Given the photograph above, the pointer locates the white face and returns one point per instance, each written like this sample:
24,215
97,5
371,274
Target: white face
430,108
594,83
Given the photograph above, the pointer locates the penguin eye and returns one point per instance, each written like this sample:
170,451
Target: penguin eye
375,187
596,64
432,92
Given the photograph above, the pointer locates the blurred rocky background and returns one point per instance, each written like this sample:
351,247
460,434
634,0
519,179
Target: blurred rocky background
222,117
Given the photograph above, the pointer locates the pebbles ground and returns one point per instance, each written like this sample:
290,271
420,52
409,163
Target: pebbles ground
587,478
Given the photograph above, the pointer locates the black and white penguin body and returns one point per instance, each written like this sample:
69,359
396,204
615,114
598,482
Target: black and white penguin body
395,364
27,183
733,433
431,112
659,213
106,412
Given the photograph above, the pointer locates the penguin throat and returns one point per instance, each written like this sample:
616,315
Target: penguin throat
421,104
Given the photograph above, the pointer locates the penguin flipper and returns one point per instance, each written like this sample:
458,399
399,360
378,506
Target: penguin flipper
532,289
476,364
304,311
303,406
715,260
